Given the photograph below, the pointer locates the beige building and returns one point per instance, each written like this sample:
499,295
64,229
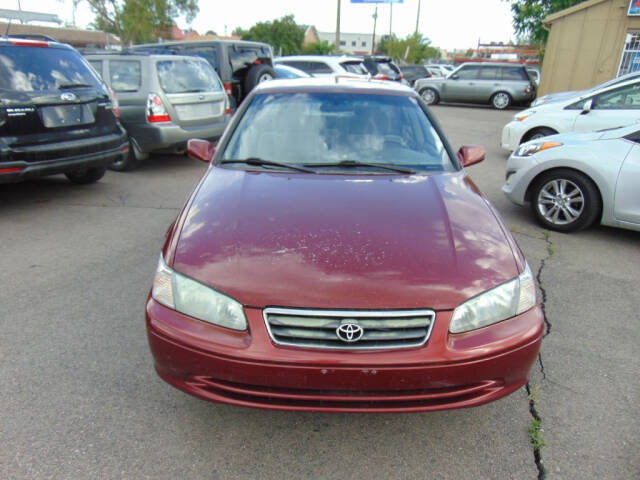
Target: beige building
590,43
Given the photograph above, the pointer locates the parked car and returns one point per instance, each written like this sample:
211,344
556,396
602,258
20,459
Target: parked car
285,71
337,257
382,68
443,68
164,101
241,65
614,106
561,96
573,180
411,73
56,115
325,65
498,84
535,74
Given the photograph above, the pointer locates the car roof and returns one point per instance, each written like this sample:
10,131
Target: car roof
341,58
495,64
338,84
130,56
202,42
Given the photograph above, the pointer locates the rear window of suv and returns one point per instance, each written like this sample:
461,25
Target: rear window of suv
355,67
514,73
39,69
187,76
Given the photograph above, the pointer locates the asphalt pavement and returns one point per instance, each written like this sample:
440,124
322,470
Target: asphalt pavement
80,399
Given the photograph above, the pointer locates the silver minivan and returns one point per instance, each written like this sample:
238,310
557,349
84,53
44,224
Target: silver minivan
164,101
498,84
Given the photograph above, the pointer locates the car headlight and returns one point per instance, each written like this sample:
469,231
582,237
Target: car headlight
192,298
500,303
529,149
523,115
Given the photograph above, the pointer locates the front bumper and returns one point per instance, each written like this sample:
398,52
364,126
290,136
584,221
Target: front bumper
511,135
38,161
248,369
168,136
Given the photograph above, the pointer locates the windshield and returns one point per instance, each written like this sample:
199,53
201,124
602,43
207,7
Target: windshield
186,76
355,67
40,69
327,128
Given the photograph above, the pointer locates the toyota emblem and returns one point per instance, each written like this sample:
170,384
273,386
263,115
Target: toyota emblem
68,96
349,331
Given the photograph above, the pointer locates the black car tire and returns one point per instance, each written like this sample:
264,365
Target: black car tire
579,191
501,100
258,74
90,175
127,162
538,133
432,97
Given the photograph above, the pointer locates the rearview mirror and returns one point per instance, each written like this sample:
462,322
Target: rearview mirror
586,106
200,150
470,155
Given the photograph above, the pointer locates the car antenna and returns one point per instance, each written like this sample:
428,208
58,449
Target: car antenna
6,34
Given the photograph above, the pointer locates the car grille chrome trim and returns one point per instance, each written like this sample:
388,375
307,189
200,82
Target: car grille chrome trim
383,329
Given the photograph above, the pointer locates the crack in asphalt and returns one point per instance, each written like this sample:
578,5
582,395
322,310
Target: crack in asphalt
542,473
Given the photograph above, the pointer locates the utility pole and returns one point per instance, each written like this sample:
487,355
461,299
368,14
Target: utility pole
390,26
418,16
338,29
373,39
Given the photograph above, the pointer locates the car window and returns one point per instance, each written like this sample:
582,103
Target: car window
209,53
97,64
125,75
244,56
470,72
490,73
623,98
29,69
187,76
387,68
330,127
355,67
514,73
318,67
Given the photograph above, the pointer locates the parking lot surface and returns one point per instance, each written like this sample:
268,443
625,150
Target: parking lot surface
80,398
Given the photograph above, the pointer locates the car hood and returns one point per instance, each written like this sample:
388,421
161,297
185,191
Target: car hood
343,241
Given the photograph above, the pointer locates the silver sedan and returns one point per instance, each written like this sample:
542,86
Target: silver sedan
573,180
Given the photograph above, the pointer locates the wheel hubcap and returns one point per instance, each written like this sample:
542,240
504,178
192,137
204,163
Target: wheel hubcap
264,78
501,100
428,96
560,202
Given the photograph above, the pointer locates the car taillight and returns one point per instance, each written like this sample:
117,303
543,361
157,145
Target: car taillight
115,106
227,106
381,76
400,77
29,43
228,88
527,89
156,111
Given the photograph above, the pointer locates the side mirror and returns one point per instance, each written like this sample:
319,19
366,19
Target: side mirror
470,155
200,150
586,106
454,76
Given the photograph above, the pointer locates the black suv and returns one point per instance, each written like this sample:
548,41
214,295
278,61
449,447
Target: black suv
382,68
241,65
56,116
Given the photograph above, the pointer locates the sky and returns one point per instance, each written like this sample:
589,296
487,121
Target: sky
448,23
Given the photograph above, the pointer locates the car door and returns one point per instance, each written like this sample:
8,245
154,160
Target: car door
461,85
627,196
488,81
125,77
613,108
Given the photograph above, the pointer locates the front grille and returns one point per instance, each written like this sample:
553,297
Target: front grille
382,329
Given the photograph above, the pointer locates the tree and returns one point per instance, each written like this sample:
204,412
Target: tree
211,32
284,34
413,49
318,48
136,21
529,14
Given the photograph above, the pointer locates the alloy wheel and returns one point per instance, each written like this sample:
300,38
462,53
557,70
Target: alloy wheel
560,201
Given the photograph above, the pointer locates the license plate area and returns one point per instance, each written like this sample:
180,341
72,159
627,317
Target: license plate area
195,111
66,115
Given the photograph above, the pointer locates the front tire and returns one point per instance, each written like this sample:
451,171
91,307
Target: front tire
501,100
430,96
565,200
83,177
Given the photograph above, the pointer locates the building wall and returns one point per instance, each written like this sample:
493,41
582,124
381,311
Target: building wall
585,47
359,43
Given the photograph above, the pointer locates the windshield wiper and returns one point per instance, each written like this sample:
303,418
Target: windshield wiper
66,86
259,162
356,163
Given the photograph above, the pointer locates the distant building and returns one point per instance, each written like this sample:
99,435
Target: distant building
192,35
590,43
353,43
73,36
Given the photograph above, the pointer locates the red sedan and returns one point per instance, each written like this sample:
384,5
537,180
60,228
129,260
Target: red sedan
337,257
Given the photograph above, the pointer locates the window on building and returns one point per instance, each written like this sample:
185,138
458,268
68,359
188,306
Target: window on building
353,43
364,44
630,61
343,43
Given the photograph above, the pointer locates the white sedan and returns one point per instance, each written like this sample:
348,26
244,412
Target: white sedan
613,106
573,180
